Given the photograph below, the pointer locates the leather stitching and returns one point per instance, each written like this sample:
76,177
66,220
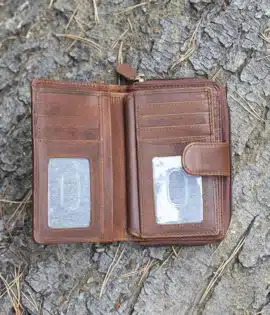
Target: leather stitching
152,87
198,171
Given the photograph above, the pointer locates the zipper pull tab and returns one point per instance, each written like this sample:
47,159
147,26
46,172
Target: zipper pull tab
129,73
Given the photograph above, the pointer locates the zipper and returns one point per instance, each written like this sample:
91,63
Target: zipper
129,73
138,79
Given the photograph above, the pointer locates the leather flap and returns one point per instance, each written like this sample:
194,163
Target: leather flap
126,71
202,159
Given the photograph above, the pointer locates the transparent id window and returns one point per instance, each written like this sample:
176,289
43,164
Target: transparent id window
178,195
69,202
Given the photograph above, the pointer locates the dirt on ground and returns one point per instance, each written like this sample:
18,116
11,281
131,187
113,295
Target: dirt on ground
227,41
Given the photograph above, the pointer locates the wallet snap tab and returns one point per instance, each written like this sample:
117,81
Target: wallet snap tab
207,159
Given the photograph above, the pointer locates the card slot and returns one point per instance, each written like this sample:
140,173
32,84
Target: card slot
67,110
68,140
142,116
174,120
69,104
172,95
175,107
173,131
74,183
66,128
64,133
80,121
151,226
177,140
49,96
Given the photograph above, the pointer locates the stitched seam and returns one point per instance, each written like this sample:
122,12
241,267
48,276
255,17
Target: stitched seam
101,169
175,139
71,83
215,181
172,105
140,89
97,94
171,127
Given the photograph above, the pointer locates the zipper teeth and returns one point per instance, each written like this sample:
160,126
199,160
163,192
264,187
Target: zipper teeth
172,79
67,82
188,81
71,83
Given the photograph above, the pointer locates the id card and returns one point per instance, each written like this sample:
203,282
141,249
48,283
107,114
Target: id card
178,195
68,193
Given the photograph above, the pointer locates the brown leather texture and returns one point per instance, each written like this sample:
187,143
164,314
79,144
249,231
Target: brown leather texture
120,129
207,159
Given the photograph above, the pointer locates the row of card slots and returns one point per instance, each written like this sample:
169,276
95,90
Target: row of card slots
173,125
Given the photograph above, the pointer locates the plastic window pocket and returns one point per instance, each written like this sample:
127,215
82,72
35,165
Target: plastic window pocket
178,195
69,201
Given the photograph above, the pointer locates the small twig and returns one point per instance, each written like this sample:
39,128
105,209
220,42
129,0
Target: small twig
20,207
217,274
51,4
120,53
14,202
146,271
132,273
10,285
80,25
61,253
95,11
191,48
132,7
249,105
266,35
82,39
175,253
2,215
166,260
72,16
110,269
73,43
82,22
130,25
120,58
119,38
15,297
33,302
72,291
247,109
267,39
216,74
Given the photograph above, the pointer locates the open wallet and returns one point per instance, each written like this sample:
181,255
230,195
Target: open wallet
147,162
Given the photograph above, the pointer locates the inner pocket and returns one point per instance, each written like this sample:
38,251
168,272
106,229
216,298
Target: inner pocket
67,128
172,202
69,200
177,195
173,131
173,119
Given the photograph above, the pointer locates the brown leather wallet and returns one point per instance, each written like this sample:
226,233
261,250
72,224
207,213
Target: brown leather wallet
146,161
